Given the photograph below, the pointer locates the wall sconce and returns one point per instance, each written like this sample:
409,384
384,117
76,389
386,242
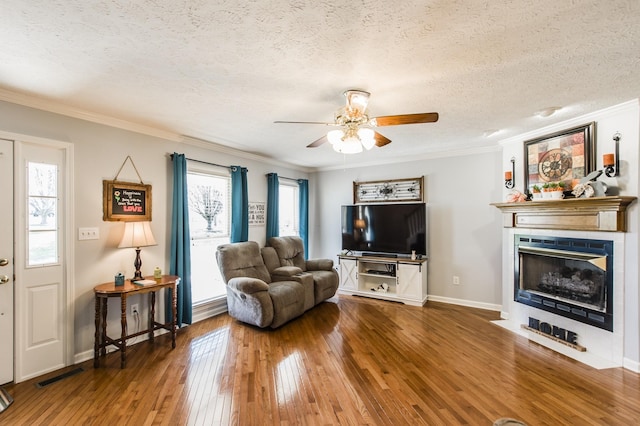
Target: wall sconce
611,162
509,176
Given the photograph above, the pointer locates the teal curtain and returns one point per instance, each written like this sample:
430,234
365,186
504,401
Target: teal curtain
180,261
303,194
273,199
239,205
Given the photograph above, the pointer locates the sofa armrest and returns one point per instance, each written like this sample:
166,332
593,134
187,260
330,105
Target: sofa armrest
319,264
286,271
247,285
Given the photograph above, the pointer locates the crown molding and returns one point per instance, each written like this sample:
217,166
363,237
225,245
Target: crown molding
66,110
576,121
69,111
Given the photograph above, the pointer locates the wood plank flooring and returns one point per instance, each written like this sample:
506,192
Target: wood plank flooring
348,361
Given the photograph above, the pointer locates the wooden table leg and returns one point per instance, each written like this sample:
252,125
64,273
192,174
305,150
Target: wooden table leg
152,314
174,310
96,344
123,339
103,336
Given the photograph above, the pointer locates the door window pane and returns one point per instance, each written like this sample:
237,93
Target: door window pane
42,190
209,225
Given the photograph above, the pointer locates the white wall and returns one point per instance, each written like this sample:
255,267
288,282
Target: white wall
99,152
464,229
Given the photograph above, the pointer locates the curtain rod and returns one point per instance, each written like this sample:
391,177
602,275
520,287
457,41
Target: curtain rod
208,163
284,177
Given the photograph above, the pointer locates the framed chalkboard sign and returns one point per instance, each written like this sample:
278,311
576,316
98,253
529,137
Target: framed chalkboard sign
126,201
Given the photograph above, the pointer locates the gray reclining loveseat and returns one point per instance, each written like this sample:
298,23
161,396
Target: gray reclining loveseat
262,292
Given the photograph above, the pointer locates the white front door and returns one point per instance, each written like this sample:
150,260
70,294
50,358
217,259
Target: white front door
41,313
6,261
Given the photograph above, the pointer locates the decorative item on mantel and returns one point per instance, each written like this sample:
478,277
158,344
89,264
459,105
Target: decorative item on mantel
611,162
516,196
565,156
589,186
510,176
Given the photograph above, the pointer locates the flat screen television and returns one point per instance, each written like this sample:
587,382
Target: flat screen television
391,229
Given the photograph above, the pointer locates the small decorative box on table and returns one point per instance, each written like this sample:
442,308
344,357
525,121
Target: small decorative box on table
104,291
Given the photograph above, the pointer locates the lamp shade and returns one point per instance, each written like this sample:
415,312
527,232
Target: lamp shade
137,234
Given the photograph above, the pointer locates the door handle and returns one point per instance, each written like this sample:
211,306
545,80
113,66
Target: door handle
4,262
4,279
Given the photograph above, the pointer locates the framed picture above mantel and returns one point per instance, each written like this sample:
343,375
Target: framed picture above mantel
565,156
394,190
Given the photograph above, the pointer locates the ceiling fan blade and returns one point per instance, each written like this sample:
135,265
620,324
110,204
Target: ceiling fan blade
381,140
394,120
305,122
318,142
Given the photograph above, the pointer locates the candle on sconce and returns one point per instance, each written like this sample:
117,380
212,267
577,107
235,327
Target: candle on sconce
508,175
608,160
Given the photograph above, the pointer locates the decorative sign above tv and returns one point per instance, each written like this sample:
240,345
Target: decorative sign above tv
388,190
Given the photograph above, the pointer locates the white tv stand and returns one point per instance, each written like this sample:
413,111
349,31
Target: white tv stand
405,279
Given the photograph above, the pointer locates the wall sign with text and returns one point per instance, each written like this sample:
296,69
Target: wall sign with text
126,201
257,214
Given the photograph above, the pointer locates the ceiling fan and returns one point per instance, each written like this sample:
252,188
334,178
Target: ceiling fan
356,125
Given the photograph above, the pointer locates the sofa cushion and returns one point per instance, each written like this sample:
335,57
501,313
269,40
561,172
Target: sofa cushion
241,260
270,258
290,251
288,301
326,284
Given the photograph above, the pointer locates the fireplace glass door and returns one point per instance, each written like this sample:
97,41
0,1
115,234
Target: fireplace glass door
569,277
574,277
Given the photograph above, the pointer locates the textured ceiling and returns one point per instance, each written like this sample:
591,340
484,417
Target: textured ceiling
225,70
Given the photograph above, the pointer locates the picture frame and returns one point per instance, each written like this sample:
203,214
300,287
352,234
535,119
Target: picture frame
125,201
565,156
394,190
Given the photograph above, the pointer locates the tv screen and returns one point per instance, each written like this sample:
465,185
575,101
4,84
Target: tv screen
385,228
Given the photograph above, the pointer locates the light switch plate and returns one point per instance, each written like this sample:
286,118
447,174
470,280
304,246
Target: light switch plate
88,234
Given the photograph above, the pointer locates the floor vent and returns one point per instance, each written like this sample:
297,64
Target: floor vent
59,377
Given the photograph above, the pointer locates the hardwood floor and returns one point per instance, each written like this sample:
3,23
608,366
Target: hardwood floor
347,361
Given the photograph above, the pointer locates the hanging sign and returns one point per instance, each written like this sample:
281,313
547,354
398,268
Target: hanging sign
126,201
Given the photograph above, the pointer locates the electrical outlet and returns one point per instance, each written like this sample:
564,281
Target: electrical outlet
88,234
135,309
456,280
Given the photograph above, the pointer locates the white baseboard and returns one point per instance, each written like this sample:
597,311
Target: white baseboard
467,303
631,365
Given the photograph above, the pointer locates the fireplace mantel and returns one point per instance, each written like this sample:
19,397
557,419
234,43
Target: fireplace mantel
576,214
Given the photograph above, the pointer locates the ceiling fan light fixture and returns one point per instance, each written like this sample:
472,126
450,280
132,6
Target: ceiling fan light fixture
350,145
367,137
335,137
357,100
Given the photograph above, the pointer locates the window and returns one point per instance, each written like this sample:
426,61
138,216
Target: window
42,189
289,209
209,225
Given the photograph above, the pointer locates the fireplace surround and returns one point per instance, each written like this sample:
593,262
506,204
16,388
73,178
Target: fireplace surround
570,277
598,219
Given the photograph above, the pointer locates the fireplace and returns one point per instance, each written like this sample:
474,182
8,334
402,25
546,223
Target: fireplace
570,277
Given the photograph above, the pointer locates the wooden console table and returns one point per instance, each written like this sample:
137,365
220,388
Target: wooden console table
104,291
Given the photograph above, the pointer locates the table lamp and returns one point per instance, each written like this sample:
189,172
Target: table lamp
137,234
